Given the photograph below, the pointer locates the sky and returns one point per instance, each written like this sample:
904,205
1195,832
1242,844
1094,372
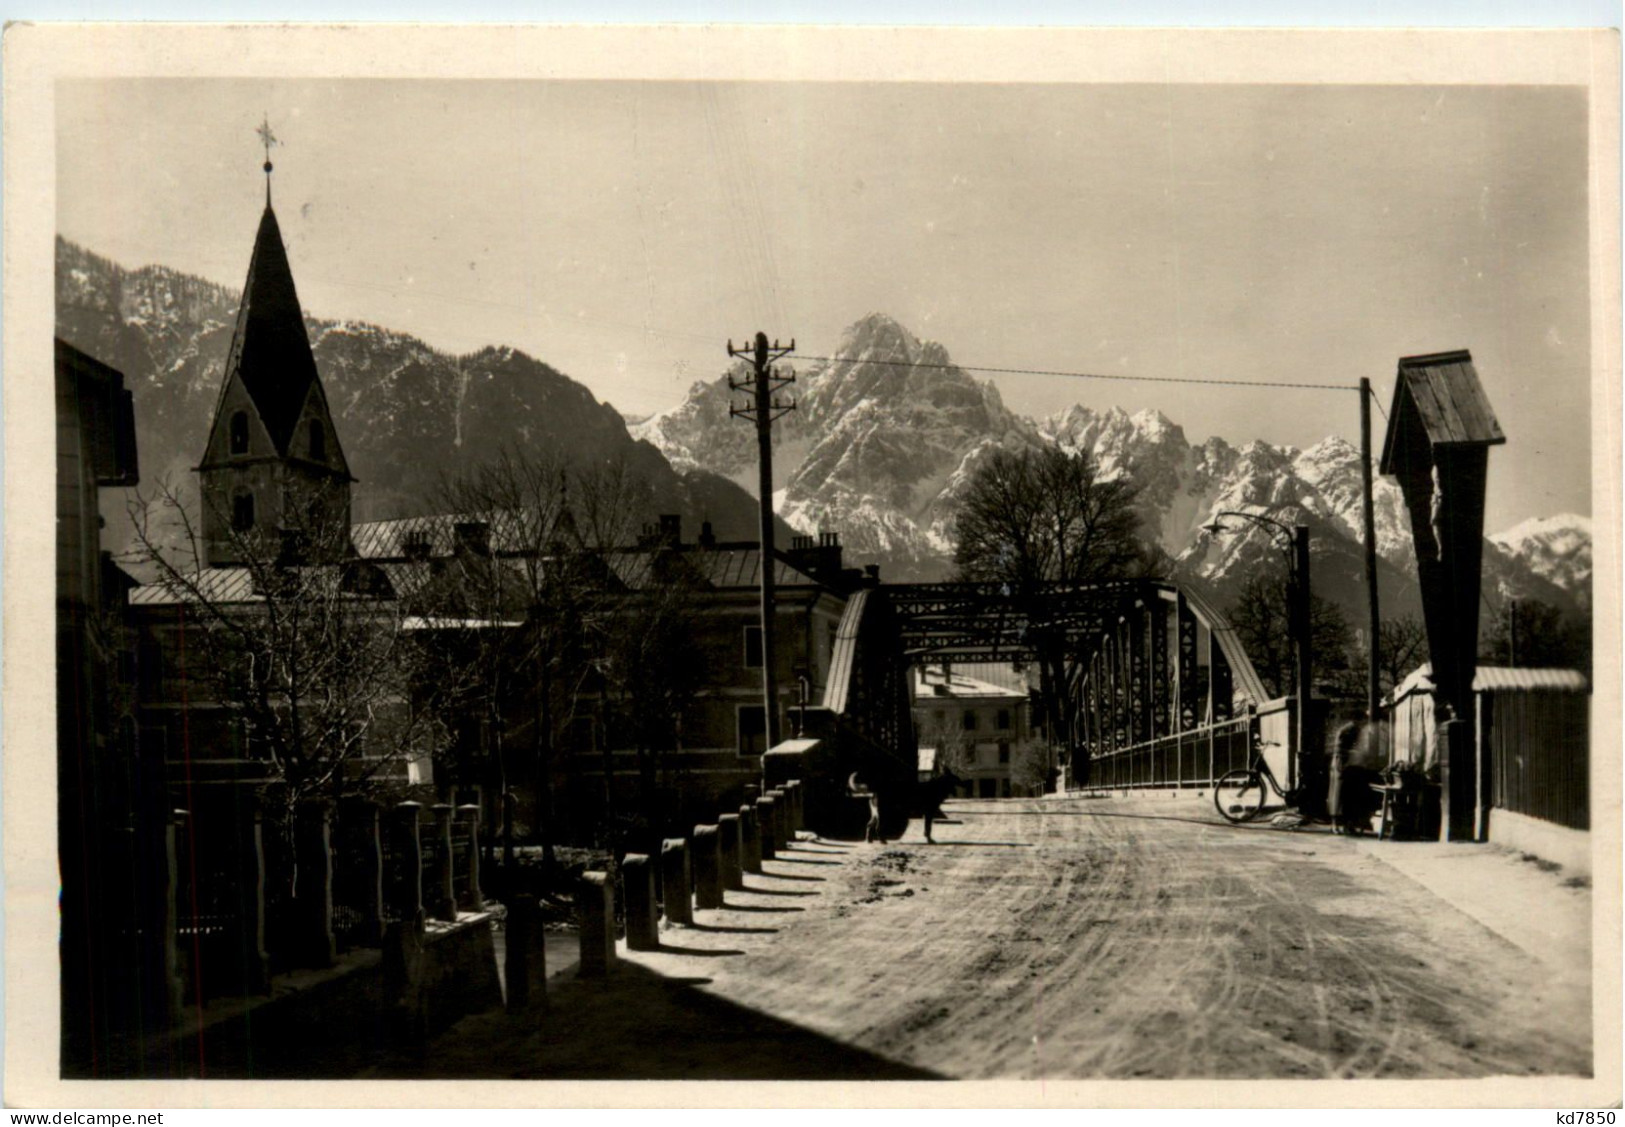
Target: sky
625,231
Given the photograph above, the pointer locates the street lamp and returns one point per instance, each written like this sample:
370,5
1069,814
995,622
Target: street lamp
1294,544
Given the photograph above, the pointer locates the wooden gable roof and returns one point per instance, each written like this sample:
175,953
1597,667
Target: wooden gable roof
1439,402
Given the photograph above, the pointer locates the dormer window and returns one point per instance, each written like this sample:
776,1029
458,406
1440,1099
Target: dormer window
239,432
318,441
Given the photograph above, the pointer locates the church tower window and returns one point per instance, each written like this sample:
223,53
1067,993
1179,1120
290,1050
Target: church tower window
239,432
242,512
318,441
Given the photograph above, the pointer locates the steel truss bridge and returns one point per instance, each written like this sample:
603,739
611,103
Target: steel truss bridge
1166,693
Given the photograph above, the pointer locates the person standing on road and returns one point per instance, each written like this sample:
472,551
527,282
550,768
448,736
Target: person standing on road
856,788
1347,736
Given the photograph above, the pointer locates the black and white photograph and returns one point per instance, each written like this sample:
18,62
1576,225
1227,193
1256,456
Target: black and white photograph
775,555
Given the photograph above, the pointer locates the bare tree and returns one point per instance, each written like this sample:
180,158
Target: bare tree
1403,645
652,667
1032,518
1262,621
519,610
300,643
1029,766
1529,632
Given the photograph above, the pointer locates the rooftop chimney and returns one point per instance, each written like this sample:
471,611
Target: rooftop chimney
474,537
416,545
708,538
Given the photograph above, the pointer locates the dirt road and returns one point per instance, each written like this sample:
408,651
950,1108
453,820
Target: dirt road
1108,938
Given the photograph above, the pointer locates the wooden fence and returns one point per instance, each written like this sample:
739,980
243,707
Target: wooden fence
1538,746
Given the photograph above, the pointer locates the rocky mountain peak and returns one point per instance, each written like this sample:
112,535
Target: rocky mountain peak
1556,548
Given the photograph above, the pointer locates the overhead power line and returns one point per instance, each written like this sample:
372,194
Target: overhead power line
1091,375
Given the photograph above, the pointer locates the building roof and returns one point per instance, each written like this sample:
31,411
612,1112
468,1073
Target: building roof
270,350
1438,399
931,684
715,568
1501,679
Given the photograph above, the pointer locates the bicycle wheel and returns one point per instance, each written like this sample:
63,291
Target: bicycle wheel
1239,795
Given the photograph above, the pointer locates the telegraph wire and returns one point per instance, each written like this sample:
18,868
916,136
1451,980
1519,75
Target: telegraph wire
1086,375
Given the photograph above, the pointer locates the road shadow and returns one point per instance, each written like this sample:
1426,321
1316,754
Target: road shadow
637,1024
700,952
803,860
778,892
762,908
977,844
788,876
734,930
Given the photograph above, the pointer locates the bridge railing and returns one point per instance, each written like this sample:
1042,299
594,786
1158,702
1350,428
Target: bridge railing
1194,758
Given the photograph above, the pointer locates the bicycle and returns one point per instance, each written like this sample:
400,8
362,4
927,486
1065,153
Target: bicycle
1240,794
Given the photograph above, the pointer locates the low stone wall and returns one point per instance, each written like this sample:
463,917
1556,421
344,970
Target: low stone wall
336,1021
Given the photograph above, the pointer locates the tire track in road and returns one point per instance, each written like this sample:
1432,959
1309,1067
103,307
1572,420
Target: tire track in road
1114,939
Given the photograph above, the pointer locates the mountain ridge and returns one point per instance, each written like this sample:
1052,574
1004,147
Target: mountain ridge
890,431
408,415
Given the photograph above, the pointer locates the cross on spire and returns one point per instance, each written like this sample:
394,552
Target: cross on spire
267,138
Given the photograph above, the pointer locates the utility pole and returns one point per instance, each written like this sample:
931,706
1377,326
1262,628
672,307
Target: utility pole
1373,688
1512,633
1308,765
762,410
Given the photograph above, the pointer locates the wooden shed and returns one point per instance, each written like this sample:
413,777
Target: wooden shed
1533,739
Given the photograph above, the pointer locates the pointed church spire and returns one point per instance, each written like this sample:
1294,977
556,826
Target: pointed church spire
267,138
273,460
270,351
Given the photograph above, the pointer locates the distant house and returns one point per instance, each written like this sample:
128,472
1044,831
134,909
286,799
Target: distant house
715,743
970,726
1533,755
722,729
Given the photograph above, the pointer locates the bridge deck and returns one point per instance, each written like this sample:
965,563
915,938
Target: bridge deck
1118,938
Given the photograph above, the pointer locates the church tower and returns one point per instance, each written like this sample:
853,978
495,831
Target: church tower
274,478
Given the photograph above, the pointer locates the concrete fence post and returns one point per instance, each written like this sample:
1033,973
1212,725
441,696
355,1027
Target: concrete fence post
526,961
595,898
249,843
313,856
750,841
728,843
406,852
470,816
707,868
752,793
359,819
442,884
798,814
674,880
781,823
165,918
767,827
642,927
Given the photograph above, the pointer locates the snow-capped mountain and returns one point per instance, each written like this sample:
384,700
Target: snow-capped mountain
1556,548
881,440
886,436
881,446
407,414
